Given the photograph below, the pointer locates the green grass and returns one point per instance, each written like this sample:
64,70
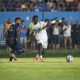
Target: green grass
54,66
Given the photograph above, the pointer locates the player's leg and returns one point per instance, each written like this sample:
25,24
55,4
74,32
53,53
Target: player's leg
43,51
13,54
39,51
44,47
10,42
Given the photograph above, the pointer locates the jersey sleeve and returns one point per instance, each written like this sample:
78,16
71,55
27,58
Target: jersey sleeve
30,25
43,24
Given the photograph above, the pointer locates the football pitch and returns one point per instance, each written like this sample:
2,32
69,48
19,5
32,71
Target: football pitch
54,66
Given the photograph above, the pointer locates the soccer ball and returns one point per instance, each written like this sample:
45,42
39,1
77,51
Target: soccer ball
69,58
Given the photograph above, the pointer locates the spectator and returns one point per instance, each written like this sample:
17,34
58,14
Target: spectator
49,34
55,35
67,35
36,7
40,5
62,23
23,7
23,34
6,26
75,35
18,6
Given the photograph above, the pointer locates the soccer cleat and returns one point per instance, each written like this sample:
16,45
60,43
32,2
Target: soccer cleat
41,59
14,59
35,59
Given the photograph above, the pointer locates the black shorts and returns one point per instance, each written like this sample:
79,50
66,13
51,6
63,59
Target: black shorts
11,43
55,39
15,46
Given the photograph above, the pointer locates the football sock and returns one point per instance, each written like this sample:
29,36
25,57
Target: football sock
41,56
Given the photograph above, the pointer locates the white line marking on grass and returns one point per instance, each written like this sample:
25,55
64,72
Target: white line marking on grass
40,63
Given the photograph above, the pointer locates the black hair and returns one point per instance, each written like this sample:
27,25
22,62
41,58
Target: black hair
35,16
46,20
63,18
17,18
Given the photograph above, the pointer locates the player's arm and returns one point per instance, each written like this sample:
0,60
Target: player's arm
64,28
46,24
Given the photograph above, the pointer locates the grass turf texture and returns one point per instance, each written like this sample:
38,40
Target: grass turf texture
54,67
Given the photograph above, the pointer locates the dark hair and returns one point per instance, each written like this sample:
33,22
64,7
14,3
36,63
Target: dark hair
63,18
17,18
35,16
46,20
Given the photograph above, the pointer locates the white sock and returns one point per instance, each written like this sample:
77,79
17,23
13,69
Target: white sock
41,56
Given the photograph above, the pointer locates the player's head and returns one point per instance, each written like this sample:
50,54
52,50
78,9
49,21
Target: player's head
17,20
63,19
35,19
8,21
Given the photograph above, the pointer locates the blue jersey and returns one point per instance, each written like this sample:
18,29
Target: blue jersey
12,41
11,32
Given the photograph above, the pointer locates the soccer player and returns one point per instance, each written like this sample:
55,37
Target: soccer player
12,40
67,35
39,28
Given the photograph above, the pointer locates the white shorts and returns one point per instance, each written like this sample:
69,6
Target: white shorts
43,39
44,42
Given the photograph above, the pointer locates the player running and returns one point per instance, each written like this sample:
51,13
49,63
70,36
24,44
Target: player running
39,29
12,39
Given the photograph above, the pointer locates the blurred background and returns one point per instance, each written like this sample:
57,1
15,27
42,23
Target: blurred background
67,10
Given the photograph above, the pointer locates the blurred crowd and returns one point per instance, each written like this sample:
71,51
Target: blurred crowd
40,5
61,34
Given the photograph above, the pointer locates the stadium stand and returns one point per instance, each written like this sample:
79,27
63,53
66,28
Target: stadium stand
40,5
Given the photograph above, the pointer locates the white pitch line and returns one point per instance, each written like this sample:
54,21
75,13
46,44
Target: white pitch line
40,63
